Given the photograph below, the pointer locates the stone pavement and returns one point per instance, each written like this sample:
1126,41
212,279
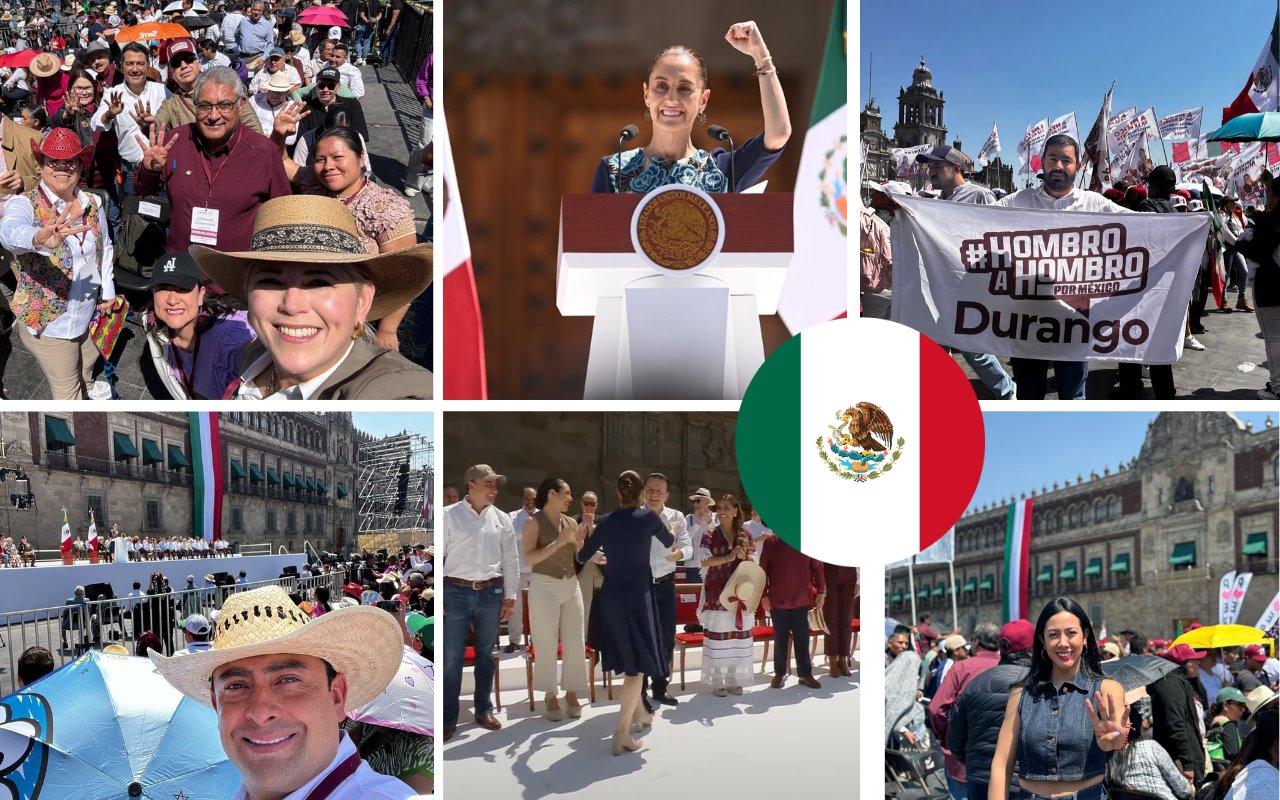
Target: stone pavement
393,114
1233,365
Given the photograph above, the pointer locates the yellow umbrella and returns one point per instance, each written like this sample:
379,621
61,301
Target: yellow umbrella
1211,636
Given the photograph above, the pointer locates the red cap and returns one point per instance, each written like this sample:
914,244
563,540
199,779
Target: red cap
62,144
1135,193
1182,653
353,590
1256,651
1114,195
1186,195
179,46
1016,636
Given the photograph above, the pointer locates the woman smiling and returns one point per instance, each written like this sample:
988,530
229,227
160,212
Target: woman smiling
675,99
310,286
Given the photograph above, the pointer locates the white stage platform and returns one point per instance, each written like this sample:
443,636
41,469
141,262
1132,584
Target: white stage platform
50,583
766,743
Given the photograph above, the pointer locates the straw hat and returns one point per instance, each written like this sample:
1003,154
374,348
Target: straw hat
297,37
1258,698
45,65
818,620
279,82
68,61
746,586
308,229
364,644
6,16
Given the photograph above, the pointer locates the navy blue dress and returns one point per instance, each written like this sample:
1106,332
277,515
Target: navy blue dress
707,171
623,610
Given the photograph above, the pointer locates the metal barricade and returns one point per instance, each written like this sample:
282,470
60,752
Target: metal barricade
68,631
414,39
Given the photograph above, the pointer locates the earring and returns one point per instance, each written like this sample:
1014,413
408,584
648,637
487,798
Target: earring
358,332
702,118
647,116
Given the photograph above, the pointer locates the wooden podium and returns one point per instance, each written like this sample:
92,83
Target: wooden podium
660,335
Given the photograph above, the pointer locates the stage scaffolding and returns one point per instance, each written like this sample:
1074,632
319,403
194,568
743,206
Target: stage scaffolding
395,484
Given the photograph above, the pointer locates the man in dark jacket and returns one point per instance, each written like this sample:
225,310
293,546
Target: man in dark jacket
979,712
1175,719
1160,185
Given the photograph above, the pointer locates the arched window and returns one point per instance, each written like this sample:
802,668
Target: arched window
1071,517
1099,510
1113,508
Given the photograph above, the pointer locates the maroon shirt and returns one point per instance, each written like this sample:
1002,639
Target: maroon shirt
245,175
945,700
790,574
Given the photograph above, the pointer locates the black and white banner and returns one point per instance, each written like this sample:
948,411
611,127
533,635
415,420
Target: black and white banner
1046,284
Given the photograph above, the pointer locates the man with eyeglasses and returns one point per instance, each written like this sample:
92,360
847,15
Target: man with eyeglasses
184,67
217,171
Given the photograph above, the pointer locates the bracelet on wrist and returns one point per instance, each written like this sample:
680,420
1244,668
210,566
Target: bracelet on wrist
762,73
763,61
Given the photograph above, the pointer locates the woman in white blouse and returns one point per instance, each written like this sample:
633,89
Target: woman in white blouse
59,236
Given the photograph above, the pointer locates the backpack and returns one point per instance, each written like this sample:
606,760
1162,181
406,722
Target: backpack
143,237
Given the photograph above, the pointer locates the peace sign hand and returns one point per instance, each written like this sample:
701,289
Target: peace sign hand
287,120
1109,728
156,151
53,234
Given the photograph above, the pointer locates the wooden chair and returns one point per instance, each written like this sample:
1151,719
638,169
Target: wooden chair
687,595
469,660
762,631
530,654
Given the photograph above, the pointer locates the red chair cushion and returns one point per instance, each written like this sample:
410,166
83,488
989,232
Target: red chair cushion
857,625
469,655
762,630
689,639
559,652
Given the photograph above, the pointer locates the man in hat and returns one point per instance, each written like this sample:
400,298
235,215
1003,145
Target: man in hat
326,96
1250,675
180,56
1176,712
662,565
1110,651
794,584
953,650
281,686
482,576
986,656
979,708
226,171
702,519
276,62
197,632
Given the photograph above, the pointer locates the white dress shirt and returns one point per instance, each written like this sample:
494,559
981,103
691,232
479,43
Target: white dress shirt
230,24
91,283
480,546
1078,200
659,564
518,518
267,114
363,784
352,79
218,60
757,531
124,125
259,82
249,388
696,532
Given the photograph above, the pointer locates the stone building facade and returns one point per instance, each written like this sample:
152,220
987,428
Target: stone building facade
1141,546
590,449
287,477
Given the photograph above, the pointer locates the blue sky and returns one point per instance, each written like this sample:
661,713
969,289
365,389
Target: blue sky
992,60
387,423
1074,443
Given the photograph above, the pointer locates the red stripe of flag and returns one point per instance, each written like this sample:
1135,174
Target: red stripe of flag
464,369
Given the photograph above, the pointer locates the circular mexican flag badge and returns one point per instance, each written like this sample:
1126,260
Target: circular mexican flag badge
860,442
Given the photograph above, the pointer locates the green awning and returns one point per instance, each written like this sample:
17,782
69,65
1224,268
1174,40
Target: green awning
1046,574
1121,564
255,474
124,446
311,485
151,453
1068,571
1184,554
953,588
897,596
320,487
272,478
922,594
939,590
342,491
56,434
1256,545
237,471
288,481
988,583
971,585
176,457
1094,568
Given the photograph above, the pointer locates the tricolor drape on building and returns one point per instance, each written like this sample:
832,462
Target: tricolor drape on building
1017,557
206,463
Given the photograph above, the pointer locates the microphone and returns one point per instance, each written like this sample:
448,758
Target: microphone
719,134
625,135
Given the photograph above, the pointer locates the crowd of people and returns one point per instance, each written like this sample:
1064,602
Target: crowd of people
604,585
246,144
1241,250
1037,701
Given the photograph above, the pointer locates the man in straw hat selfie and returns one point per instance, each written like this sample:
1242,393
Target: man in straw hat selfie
281,686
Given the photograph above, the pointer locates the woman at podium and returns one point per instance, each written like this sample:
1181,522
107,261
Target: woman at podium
675,100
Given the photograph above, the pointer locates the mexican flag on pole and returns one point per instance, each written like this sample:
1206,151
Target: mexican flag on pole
93,532
206,462
66,534
464,369
1260,91
817,283
1017,557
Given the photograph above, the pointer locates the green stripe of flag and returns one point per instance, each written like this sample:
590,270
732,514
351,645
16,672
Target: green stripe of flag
833,84
197,468
768,441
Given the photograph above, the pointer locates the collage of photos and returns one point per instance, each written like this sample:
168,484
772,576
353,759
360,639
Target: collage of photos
652,437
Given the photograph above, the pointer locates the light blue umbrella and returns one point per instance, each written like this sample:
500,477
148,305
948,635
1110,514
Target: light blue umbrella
1263,126
108,726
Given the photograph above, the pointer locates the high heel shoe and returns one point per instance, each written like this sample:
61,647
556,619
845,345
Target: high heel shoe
574,708
621,745
641,719
554,712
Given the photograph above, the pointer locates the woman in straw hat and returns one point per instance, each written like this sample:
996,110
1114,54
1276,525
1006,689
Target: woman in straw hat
281,685
51,81
59,236
624,606
310,286
727,647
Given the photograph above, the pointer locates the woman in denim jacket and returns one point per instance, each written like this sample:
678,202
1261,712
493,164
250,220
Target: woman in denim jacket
1064,717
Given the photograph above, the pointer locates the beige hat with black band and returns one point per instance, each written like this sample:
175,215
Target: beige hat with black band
309,229
363,643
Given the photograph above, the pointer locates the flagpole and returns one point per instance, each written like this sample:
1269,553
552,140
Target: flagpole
955,613
911,585
1163,146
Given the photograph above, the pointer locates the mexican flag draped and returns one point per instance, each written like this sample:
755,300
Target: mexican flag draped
1017,555
66,534
1260,91
817,283
206,463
